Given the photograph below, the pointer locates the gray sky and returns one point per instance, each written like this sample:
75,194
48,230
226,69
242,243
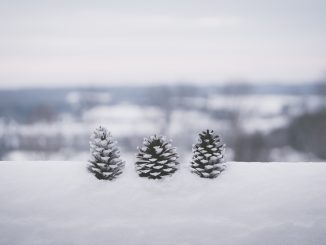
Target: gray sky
54,43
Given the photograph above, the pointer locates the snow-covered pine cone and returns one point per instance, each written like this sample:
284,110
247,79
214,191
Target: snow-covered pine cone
156,158
105,160
208,159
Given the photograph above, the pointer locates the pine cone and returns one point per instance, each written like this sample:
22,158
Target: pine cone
157,158
208,159
105,160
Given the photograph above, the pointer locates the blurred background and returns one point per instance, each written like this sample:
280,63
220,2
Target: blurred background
253,71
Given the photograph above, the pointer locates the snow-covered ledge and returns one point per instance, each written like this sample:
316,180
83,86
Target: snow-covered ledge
249,203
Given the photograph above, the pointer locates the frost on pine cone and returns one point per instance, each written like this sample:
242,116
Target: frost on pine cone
105,160
156,158
207,160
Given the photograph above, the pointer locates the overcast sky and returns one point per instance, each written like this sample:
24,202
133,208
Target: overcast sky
54,43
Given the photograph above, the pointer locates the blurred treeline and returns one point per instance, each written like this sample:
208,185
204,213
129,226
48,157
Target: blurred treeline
304,134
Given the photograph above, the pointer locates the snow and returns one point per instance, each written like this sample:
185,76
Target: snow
265,124
158,149
131,118
262,104
75,98
122,120
249,203
147,155
162,161
180,122
213,158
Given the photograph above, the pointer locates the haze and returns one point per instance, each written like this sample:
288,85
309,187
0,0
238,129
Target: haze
56,43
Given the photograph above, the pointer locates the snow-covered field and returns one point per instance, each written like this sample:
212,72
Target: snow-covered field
66,137
250,203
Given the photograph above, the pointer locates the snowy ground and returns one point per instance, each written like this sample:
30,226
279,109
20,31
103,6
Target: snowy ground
250,203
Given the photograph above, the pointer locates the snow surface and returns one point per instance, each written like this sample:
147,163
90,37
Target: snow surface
249,203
